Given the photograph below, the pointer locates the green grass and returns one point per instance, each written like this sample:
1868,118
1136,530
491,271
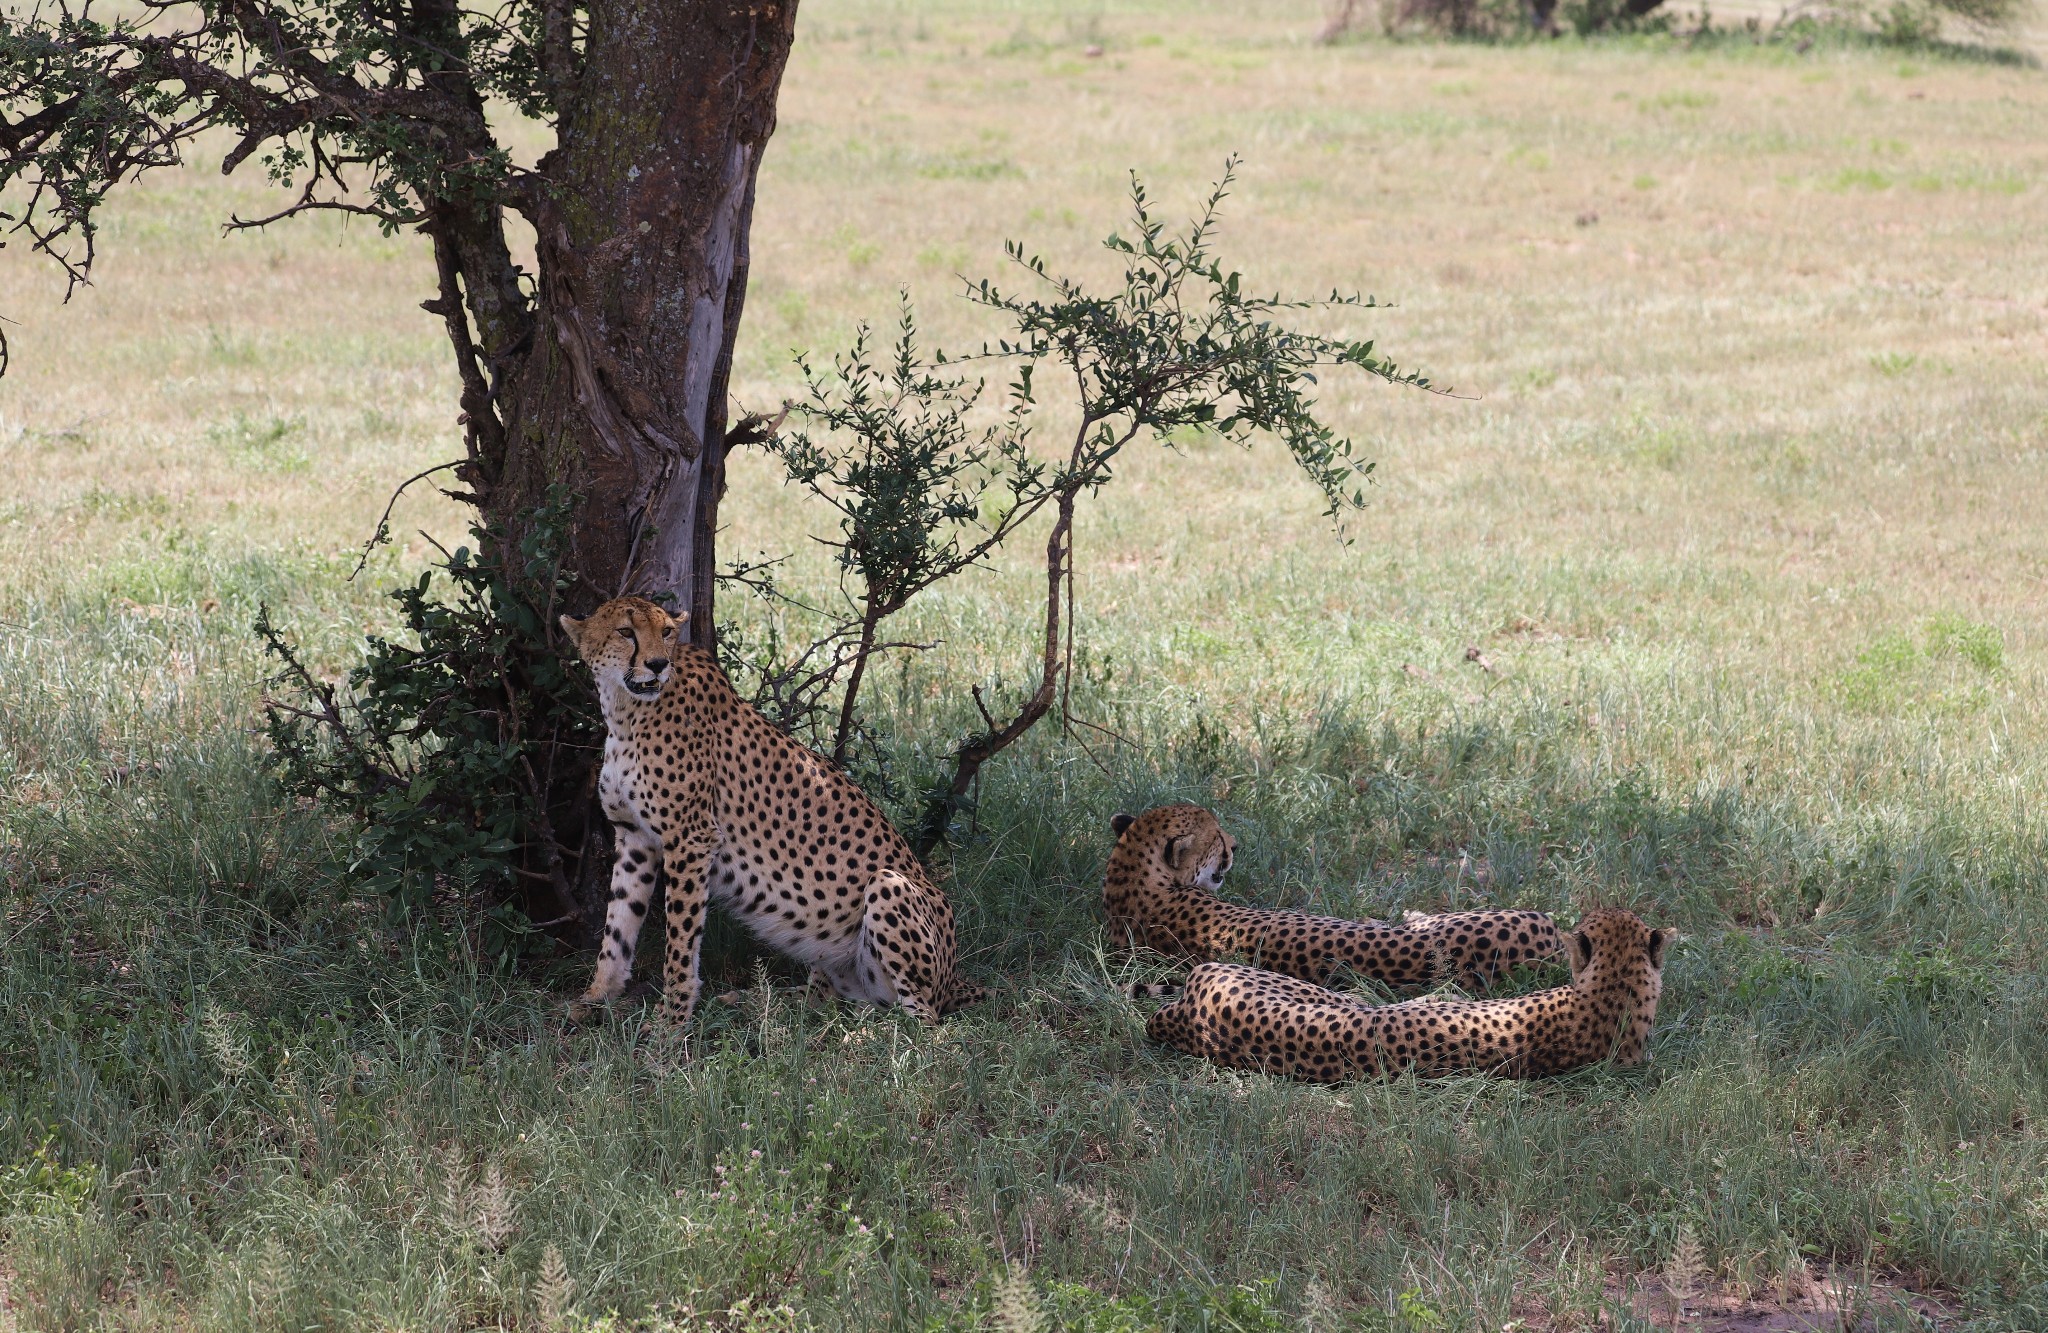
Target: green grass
237,1100
1743,508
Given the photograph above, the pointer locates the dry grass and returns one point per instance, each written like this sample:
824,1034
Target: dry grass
1780,399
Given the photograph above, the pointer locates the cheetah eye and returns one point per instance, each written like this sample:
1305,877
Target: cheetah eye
624,632
669,633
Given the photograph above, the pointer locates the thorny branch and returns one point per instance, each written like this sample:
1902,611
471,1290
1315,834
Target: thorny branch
383,530
385,770
483,432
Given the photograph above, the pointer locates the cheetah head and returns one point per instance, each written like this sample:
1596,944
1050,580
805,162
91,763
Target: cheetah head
628,642
1184,841
1611,942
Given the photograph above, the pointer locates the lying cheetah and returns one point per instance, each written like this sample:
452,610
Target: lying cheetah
1248,1019
1167,862
702,788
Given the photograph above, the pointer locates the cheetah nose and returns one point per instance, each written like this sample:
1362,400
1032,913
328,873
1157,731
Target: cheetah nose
657,663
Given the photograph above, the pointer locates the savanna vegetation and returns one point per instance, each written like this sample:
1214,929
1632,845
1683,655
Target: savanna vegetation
1717,591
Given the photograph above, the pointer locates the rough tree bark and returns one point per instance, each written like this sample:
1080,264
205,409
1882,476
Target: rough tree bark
641,211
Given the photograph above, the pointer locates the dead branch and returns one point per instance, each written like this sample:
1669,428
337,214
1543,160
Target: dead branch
383,531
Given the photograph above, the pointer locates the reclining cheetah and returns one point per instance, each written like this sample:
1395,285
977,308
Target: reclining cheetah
702,787
1244,1018
1159,882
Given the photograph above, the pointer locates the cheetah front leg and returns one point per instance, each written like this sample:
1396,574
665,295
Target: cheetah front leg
686,859
632,887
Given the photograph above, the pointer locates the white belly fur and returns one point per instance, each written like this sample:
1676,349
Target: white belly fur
829,947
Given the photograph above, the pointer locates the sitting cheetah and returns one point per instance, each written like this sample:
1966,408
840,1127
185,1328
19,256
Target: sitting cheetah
702,787
1159,882
1244,1018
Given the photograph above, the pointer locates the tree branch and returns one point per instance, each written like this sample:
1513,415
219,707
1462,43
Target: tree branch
383,530
483,431
308,204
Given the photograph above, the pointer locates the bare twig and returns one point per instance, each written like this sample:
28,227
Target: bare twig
383,530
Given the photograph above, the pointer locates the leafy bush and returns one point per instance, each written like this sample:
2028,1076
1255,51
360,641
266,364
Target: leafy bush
36,1185
432,745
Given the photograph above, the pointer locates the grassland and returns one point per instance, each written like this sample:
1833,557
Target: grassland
1741,503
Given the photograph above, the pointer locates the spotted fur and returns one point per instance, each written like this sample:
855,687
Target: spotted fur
1159,888
1245,1018
704,791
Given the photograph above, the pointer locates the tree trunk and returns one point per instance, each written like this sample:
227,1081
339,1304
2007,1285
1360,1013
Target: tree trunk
614,387
641,240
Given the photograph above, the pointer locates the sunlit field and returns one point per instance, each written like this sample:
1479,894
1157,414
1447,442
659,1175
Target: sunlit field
1738,497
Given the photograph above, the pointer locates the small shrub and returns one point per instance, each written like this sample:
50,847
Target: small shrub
438,744
36,1185
921,495
1904,23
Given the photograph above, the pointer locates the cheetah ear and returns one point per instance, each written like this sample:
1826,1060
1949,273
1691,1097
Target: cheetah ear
1175,849
1660,940
571,626
1582,948
1119,822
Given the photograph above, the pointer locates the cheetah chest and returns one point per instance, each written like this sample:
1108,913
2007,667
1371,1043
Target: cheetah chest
795,877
